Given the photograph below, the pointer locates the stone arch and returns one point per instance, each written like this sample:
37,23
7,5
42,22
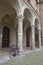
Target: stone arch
28,9
15,4
11,22
27,15
6,9
27,27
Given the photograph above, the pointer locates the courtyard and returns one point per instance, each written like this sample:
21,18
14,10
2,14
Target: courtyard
21,24
34,57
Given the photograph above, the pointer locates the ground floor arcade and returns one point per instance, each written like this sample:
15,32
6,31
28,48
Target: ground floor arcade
19,26
25,36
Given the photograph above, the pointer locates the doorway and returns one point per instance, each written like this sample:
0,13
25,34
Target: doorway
36,38
5,37
28,35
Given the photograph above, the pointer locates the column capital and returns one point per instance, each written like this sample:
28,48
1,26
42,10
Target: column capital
20,16
32,25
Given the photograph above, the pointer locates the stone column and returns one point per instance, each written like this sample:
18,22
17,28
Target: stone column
20,32
33,35
39,38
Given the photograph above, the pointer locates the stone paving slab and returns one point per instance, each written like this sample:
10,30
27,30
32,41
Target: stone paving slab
27,58
4,59
3,52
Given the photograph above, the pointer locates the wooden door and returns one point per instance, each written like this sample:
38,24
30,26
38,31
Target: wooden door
5,38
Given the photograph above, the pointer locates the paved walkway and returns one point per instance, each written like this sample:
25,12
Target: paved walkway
4,59
3,51
25,58
4,55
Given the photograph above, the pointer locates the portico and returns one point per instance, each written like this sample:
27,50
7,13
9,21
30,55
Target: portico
20,20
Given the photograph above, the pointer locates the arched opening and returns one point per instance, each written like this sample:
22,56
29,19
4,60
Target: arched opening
27,28
28,36
5,37
8,24
36,34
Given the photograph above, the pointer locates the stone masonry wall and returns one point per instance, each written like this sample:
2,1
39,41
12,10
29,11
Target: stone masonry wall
41,18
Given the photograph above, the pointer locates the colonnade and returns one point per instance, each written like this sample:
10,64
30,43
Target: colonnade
20,34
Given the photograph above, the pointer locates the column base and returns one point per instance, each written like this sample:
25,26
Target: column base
40,47
21,50
33,48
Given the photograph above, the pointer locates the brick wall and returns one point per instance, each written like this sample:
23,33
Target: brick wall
41,18
33,3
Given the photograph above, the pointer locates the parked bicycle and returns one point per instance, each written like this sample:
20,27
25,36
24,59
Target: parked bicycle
13,51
